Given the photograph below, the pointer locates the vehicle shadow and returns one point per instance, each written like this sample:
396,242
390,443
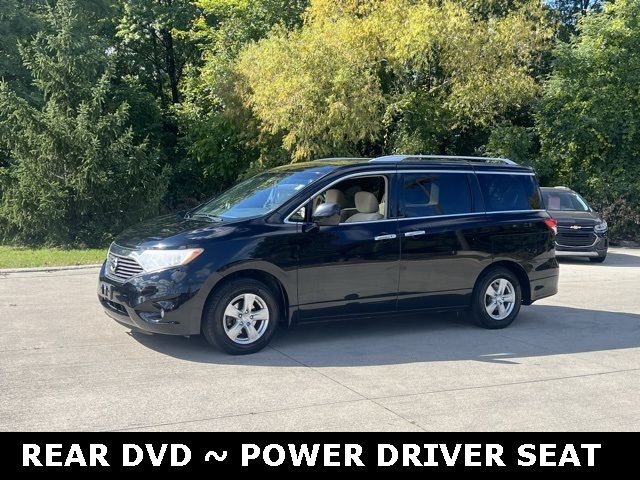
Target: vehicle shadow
614,259
540,330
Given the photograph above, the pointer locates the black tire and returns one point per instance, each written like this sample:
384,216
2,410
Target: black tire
214,316
598,259
478,307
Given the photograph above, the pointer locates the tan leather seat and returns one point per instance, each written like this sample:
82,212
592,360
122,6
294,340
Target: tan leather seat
383,205
367,206
350,209
333,195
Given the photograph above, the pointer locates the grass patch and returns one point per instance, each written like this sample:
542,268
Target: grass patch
18,257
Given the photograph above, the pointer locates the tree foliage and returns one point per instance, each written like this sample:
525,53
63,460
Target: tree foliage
111,110
589,119
17,21
153,45
221,133
568,12
75,171
397,75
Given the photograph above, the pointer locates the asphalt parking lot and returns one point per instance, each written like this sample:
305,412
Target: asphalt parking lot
570,362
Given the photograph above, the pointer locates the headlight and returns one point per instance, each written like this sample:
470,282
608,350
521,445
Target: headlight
600,227
151,260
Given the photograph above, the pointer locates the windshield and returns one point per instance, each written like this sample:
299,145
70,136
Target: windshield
258,195
569,201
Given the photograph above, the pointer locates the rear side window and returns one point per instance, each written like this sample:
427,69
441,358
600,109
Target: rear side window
431,194
504,192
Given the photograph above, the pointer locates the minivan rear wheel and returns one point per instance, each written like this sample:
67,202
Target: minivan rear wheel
241,317
496,298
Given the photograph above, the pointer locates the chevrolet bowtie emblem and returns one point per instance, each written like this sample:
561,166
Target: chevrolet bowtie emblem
575,227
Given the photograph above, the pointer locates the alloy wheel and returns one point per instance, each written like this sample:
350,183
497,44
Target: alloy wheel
500,299
246,318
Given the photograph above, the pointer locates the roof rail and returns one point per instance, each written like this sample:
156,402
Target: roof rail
343,159
402,158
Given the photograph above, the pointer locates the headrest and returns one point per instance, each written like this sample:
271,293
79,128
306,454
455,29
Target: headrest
333,195
366,202
554,202
434,194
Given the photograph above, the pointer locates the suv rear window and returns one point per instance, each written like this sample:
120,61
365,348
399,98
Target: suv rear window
505,192
432,194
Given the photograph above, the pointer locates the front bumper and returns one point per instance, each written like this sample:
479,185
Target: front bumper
570,253
597,249
138,302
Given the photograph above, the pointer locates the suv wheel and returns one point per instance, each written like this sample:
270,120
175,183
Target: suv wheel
241,317
496,298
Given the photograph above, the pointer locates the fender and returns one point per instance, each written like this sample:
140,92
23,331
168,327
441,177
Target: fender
288,279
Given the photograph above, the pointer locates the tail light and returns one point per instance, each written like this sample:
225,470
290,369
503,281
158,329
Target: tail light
552,224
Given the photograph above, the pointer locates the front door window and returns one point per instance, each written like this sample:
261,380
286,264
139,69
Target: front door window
361,199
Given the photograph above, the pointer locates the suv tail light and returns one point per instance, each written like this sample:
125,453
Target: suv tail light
552,224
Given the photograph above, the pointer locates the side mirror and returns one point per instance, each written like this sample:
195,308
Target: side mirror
327,214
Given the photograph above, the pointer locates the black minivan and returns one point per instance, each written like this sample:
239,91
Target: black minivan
338,238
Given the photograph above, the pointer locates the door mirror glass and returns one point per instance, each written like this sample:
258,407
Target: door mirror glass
327,214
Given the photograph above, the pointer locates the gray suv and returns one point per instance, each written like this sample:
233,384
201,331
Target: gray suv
581,231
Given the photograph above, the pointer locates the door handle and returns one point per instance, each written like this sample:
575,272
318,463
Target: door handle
415,233
390,236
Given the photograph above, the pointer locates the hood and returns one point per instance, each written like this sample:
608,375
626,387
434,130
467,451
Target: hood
172,230
565,217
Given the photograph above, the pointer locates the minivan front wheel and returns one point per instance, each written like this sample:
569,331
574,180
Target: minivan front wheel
241,317
496,298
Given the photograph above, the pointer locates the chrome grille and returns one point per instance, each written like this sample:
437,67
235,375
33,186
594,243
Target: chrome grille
121,267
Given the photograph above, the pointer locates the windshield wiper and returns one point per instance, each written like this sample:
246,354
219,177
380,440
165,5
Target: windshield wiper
213,218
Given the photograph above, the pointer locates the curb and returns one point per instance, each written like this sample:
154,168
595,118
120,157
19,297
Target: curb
627,244
48,269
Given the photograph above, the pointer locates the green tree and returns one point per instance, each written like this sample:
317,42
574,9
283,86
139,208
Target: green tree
75,172
152,45
221,133
226,26
153,52
17,23
589,120
515,142
567,12
364,77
